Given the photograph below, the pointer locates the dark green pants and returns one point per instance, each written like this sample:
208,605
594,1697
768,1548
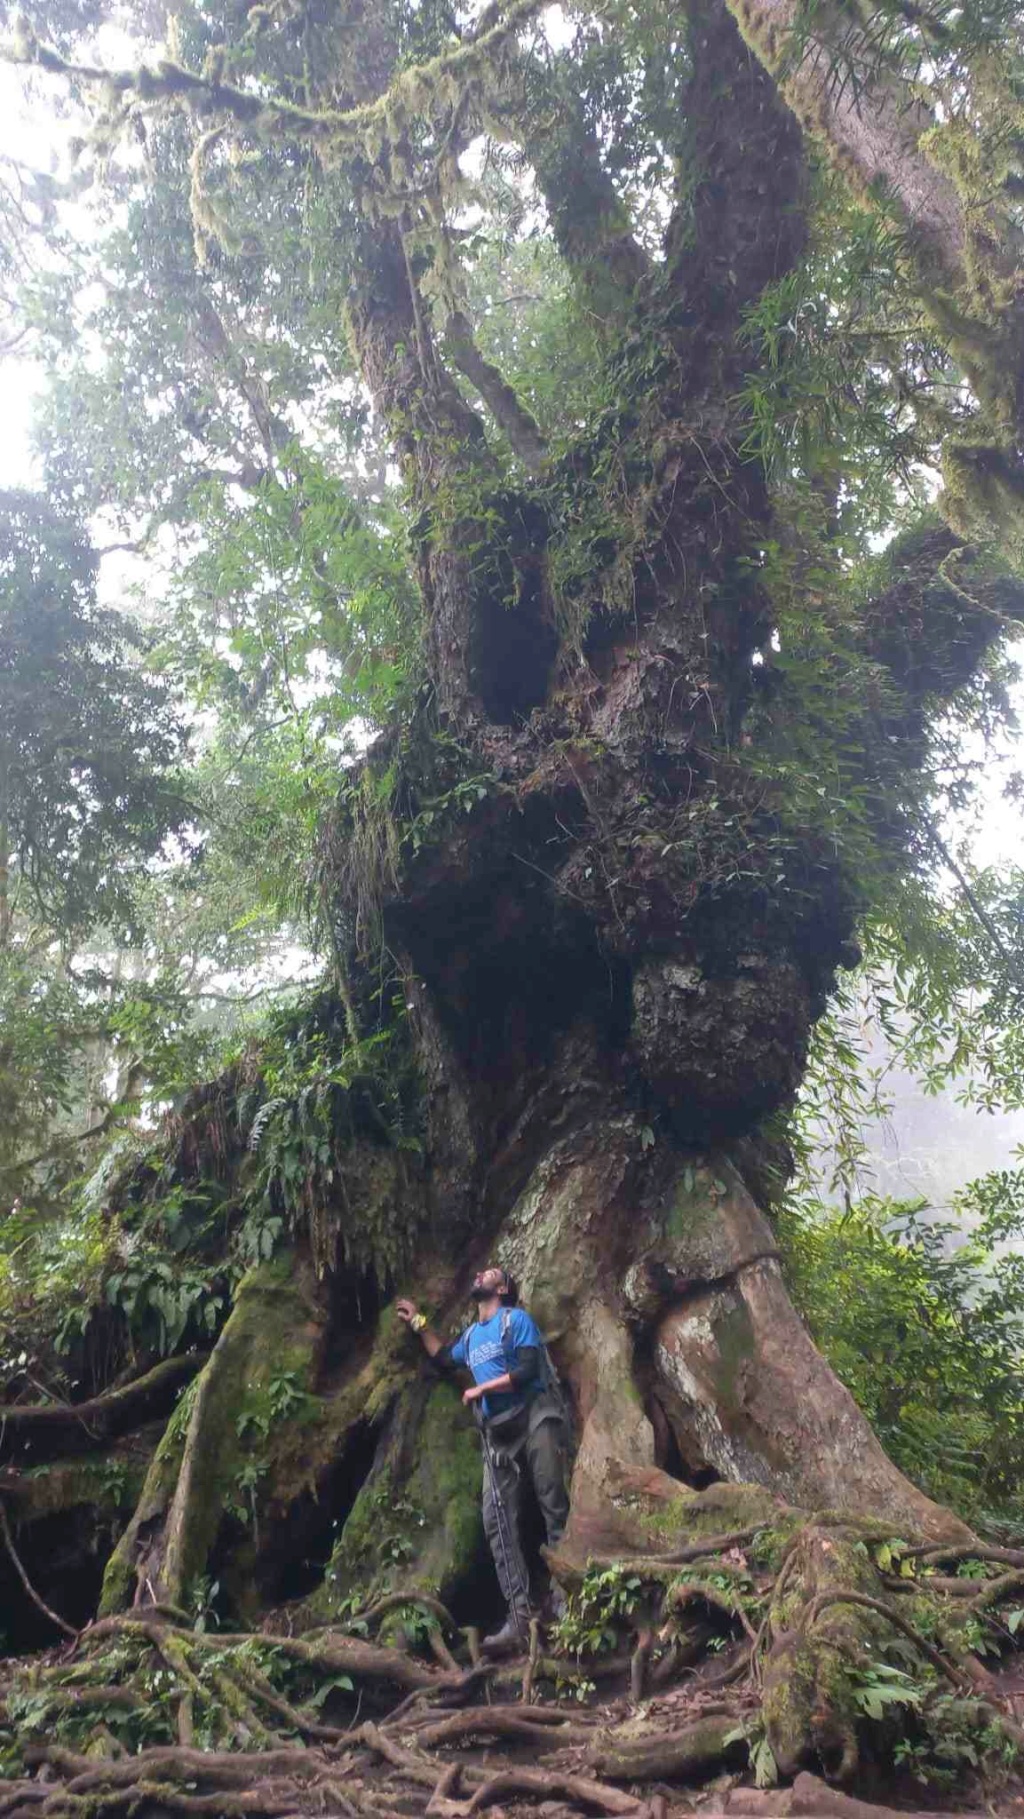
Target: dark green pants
542,1453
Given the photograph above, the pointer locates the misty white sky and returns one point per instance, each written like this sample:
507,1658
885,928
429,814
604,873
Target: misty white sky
930,1145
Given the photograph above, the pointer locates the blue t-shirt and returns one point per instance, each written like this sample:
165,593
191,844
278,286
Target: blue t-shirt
487,1355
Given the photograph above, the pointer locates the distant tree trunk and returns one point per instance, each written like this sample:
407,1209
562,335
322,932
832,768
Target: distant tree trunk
5,866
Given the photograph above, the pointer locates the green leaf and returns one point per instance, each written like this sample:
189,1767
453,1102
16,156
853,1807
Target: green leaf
766,1769
340,1683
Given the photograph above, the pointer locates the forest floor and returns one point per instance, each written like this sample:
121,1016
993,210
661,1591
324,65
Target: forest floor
508,1738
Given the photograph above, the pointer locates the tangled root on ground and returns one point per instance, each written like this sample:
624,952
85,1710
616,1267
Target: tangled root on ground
757,1654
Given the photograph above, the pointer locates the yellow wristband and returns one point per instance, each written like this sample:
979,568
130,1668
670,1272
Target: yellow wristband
418,1322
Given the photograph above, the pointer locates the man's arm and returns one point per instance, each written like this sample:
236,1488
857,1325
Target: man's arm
523,1354
432,1342
524,1370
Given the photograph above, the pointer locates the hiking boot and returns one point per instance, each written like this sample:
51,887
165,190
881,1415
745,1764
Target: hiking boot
512,1638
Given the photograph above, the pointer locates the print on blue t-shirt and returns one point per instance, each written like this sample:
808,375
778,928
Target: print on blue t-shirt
487,1355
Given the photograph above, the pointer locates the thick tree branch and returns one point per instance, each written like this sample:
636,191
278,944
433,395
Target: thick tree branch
339,128
868,119
961,236
80,1426
589,220
741,222
506,408
467,578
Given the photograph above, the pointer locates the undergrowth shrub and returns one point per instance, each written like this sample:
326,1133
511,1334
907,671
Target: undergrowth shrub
923,1319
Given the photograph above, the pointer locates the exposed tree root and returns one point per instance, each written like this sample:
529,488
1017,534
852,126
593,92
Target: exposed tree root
374,1614
960,1680
810,1798
546,1728
931,1555
576,1788
248,1730
670,1755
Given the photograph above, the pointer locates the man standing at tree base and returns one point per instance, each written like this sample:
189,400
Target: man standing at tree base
522,1426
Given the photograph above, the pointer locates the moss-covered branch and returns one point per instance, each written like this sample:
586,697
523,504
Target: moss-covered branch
943,177
353,131
69,1427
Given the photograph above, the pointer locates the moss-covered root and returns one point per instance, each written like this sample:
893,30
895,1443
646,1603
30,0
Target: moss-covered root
645,1511
692,1751
217,1446
808,1697
415,1525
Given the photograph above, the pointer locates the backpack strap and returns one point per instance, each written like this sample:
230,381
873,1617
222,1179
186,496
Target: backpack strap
506,1328
546,1377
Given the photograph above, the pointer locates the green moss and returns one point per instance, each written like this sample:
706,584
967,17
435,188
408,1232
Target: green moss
106,1485
809,1698
265,1356
118,1582
692,1515
984,496
218,1449
734,1336
808,1703
447,1484
694,1204
153,1502
416,1524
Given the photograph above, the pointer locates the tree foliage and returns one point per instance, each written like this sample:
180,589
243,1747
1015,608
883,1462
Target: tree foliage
87,740
920,1316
